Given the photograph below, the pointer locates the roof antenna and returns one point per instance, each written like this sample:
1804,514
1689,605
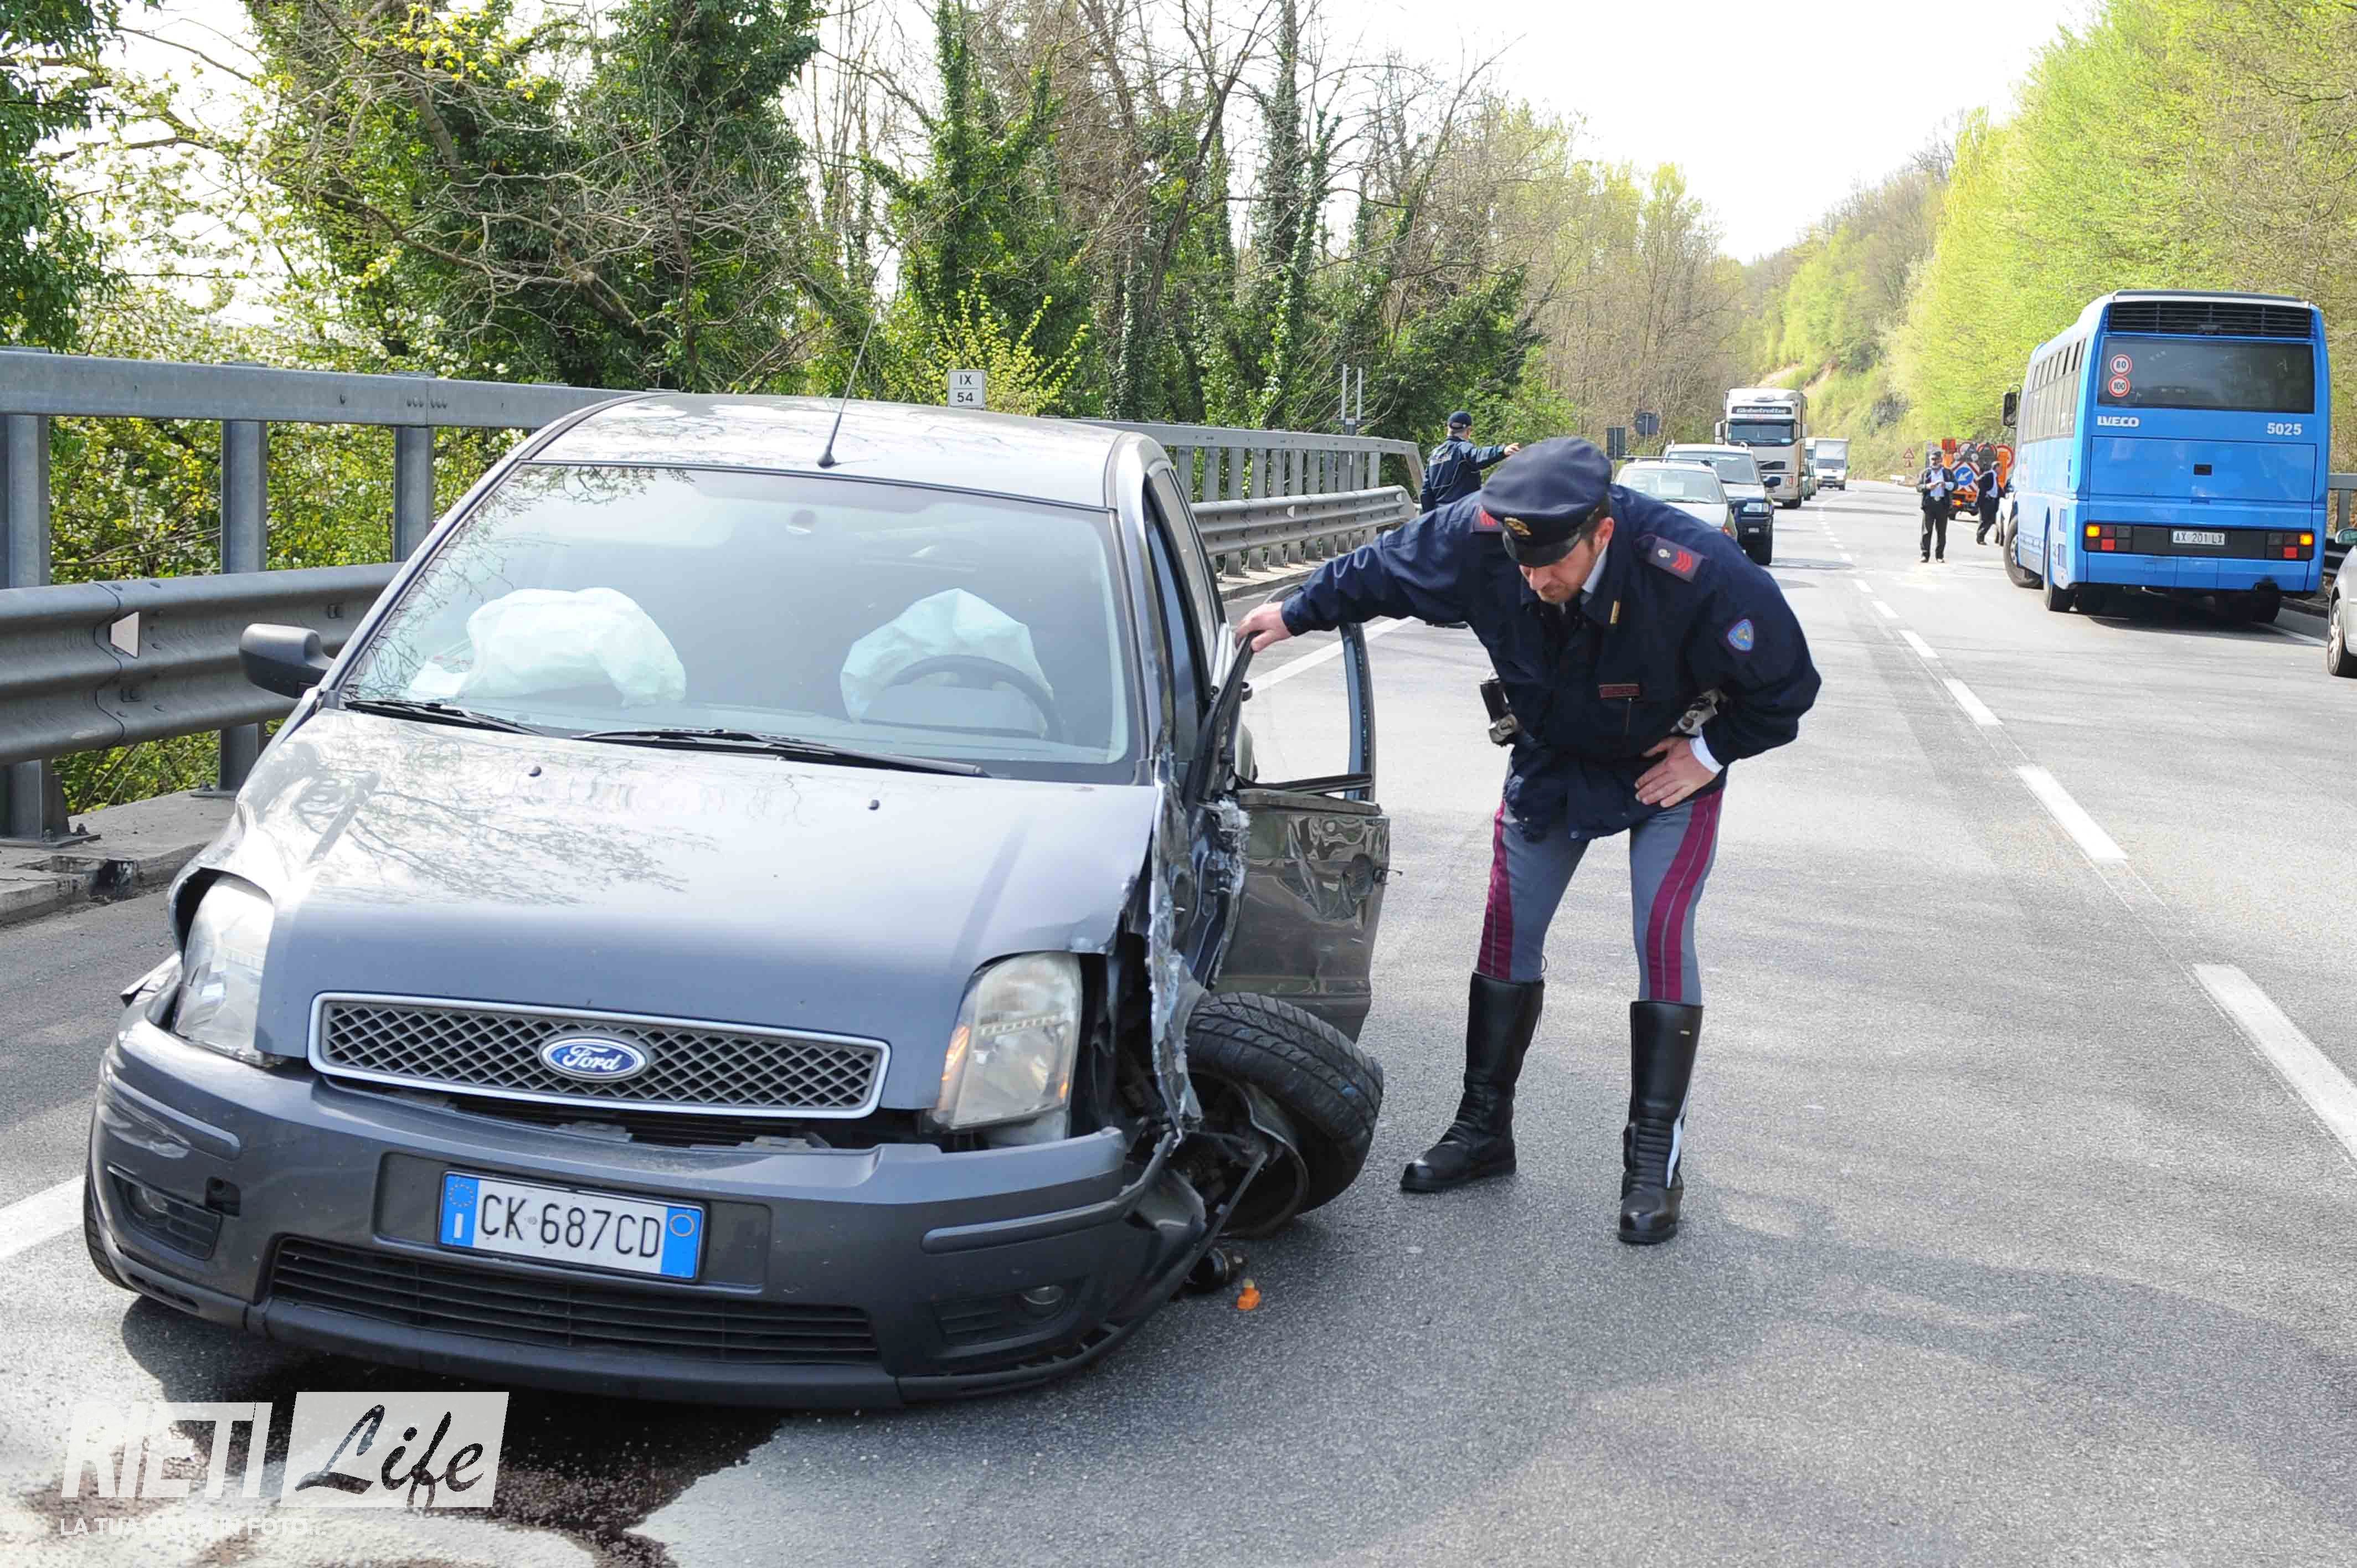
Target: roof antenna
826,458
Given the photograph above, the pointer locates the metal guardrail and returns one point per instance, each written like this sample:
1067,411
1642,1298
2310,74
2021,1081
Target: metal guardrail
93,665
90,665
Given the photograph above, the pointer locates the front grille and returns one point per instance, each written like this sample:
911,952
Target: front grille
678,1129
2210,317
568,1313
461,1046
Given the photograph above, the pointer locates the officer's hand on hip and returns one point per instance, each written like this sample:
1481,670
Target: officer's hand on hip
1264,628
1678,774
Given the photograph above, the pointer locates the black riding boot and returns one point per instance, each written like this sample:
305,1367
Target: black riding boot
1662,1040
1500,1018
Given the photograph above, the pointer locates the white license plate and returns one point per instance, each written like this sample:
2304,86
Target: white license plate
558,1225
2195,536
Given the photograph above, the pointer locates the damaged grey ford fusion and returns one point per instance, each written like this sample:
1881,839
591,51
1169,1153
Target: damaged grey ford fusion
737,927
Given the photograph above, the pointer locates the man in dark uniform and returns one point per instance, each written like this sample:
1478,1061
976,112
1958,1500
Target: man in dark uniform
1639,654
1990,493
1934,483
1455,470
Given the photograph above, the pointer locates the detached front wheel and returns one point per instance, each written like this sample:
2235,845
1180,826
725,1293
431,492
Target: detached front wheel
1328,1091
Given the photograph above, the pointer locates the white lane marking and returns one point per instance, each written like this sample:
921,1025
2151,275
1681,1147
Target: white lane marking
1861,585
1332,650
2073,817
1885,610
1921,648
2310,1073
2297,636
1976,709
29,1221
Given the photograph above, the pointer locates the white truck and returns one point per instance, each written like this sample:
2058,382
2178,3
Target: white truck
1774,423
1829,454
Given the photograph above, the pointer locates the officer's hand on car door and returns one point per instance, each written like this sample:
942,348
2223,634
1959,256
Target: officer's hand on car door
1264,628
1678,774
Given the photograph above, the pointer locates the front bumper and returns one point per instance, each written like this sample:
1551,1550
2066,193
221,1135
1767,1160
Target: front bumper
844,1278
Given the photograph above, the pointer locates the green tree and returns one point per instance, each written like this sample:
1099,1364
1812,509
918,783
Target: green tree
49,260
620,205
984,218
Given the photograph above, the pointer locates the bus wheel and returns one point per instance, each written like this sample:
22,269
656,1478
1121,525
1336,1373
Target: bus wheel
2016,573
2338,659
2261,605
2060,600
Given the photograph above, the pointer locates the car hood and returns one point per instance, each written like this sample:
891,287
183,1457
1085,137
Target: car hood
413,859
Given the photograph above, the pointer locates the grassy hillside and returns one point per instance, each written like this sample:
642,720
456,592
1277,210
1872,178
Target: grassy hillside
2192,143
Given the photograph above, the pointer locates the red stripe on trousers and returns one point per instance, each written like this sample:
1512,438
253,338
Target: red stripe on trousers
1675,897
1496,956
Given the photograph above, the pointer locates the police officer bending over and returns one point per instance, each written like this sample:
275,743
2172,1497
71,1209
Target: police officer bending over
1454,471
1638,654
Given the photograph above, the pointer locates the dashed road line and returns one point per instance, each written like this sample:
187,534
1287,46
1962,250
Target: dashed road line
1861,585
1921,648
2084,830
2309,1071
1885,610
29,1221
1976,709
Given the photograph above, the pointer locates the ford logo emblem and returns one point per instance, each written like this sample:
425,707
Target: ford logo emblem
593,1057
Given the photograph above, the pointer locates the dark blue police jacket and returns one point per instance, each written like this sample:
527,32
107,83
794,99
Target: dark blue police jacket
1680,610
1454,471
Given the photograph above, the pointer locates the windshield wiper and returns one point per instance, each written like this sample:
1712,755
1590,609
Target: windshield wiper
437,712
782,746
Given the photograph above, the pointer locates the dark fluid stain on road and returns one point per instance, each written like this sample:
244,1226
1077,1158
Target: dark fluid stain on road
589,1469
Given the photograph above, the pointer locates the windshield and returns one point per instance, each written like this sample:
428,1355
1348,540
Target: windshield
1761,432
1734,468
890,618
2199,372
1833,451
1675,484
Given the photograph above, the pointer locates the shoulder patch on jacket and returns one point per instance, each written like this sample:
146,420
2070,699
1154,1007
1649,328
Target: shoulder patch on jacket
1483,522
1675,559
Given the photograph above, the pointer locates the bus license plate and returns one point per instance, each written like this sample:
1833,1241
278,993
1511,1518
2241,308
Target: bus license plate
2197,536
556,1225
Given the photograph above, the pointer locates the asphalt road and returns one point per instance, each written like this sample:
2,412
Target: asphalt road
2005,1241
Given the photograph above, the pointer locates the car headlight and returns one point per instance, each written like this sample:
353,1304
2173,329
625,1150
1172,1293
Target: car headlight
220,985
1010,1056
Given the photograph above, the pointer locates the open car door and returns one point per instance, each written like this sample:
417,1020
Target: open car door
1317,853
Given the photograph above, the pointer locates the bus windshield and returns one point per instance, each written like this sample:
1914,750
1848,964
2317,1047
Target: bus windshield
2208,374
1759,432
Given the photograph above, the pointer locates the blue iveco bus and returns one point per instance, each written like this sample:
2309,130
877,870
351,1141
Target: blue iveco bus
2174,441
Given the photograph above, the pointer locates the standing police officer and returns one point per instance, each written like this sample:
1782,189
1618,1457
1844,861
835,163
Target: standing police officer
1935,485
1455,470
1990,492
1639,654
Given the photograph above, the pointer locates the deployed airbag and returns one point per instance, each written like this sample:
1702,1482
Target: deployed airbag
951,621
543,639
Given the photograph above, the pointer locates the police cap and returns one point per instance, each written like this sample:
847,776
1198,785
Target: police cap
1546,495
1461,420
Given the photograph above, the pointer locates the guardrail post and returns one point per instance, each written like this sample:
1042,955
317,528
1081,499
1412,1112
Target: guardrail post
244,547
413,484
32,808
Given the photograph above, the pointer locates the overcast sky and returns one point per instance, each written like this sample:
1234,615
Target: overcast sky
1774,111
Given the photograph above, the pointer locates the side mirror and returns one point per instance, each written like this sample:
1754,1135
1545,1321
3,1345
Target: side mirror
2346,536
287,659
2012,406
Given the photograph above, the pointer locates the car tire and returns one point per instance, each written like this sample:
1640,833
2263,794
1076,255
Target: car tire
97,1245
2338,659
1762,550
1331,1088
